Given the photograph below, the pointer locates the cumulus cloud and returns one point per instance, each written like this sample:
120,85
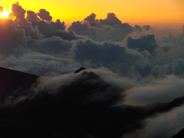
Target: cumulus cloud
111,55
135,58
44,14
110,28
91,19
11,37
49,29
138,28
146,42
111,20
147,27
17,11
32,16
19,14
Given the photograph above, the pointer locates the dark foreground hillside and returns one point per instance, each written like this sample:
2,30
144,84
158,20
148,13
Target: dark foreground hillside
12,81
57,107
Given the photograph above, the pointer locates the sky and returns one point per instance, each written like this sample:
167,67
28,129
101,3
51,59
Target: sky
132,11
134,78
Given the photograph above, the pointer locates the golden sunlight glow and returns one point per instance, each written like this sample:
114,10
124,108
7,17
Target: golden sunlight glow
4,14
130,11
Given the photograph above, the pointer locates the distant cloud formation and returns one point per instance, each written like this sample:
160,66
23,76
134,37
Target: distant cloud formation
146,42
138,28
147,27
19,14
32,16
131,84
110,28
45,15
91,19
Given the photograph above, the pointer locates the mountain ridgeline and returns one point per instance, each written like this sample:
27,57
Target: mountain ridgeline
81,104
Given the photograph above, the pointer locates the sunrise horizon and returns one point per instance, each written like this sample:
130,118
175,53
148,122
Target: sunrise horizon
138,13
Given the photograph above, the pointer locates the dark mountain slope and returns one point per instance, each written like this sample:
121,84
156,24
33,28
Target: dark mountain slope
85,107
12,81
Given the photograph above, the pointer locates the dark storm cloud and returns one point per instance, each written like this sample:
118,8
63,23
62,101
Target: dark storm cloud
44,14
138,28
146,42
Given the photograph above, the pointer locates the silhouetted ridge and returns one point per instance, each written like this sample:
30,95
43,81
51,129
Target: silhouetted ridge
79,70
11,80
179,135
84,106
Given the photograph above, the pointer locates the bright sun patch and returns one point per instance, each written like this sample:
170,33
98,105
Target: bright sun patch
3,12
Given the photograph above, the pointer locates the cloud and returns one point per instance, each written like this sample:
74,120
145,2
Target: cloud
159,91
146,42
91,19
52,46
11,37
147,27
32,16
111,20
18,11
110,28
87,105
40,64
80,27
163,125
138,28
49,29
109,54
19,14
141,57
44,14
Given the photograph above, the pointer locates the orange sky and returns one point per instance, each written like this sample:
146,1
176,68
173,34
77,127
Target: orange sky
131,11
